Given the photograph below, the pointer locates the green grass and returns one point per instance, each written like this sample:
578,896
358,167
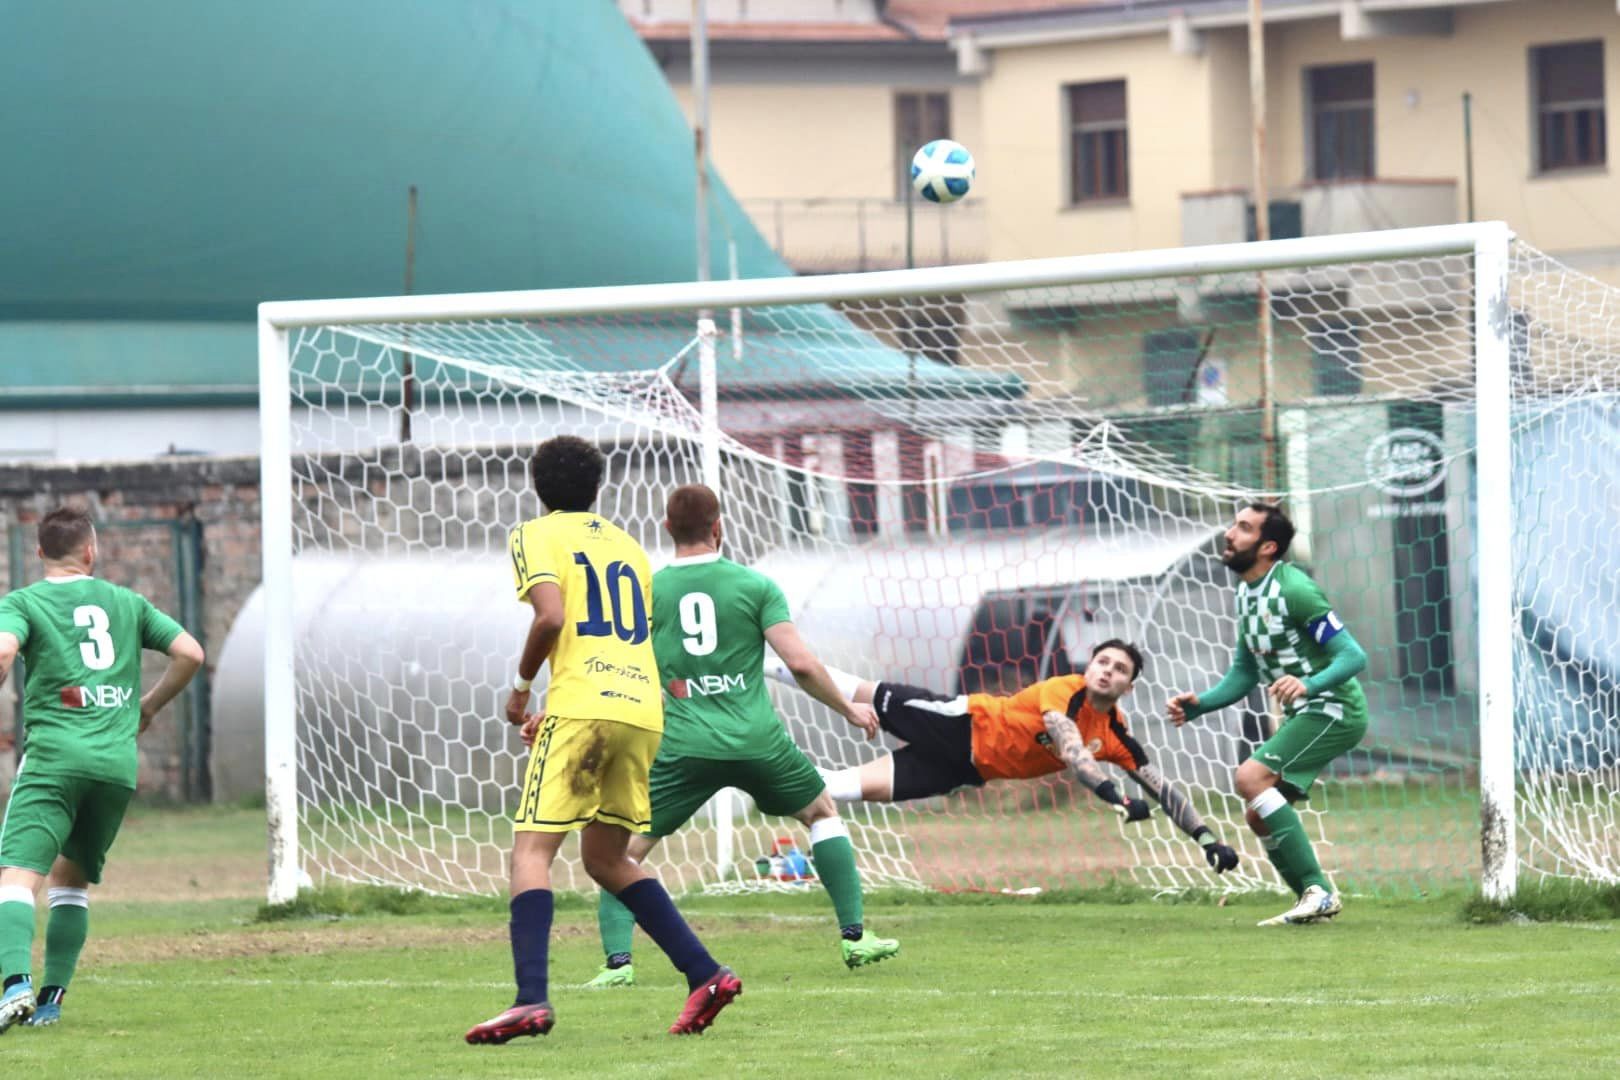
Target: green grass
1548,900
189,974
984,986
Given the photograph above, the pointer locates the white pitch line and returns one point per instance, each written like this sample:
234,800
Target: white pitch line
1437,1000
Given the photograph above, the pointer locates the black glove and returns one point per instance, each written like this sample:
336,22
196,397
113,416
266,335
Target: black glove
1134,809
1221,858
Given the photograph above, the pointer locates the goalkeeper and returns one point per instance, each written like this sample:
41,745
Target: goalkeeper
1071,721
711,620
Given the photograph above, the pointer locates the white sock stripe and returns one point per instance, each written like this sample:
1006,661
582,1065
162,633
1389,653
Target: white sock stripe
847,684
62,896
16,894
827,829
844,785
1268,802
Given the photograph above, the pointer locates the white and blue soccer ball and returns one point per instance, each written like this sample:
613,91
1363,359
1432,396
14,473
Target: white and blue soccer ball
942,171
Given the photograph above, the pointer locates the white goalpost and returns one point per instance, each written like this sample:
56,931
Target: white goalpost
963,478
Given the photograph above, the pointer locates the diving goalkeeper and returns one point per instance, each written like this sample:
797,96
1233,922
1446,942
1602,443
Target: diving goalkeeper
1071,721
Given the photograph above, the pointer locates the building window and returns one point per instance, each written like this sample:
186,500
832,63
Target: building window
919,118
1097,142
1341,132
1567,82
1169,365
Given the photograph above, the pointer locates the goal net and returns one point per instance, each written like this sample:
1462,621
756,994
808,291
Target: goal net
963,479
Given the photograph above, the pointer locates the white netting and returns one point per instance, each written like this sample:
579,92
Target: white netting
1566,492
966,492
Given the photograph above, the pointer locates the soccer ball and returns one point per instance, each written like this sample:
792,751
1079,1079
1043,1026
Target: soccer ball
942,171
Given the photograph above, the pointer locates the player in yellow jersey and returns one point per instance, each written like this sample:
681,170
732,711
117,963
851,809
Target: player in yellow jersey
590,586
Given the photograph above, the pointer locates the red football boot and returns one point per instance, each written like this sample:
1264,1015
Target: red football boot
705,1003
518,1020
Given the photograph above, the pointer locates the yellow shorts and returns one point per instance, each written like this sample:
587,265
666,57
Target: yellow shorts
587,770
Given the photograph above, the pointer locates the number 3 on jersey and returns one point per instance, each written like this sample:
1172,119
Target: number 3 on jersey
697,619
596,623
97,653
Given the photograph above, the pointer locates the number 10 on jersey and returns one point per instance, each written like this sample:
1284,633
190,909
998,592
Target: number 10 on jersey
624,594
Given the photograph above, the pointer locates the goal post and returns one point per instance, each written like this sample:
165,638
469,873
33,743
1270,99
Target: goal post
1493,394
964,478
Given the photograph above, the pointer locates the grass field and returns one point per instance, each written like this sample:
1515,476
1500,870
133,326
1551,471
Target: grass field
182,979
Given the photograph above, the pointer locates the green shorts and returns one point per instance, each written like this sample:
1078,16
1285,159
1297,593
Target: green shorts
780,780
1305,744
50,815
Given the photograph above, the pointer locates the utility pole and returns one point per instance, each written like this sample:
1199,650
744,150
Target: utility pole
1261,199
700,129
407,399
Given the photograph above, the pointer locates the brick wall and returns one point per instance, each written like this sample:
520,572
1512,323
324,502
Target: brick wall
398,500
138,507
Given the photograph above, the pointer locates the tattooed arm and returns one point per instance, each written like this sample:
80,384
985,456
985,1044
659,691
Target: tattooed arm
1068,748
1177,807
1180,810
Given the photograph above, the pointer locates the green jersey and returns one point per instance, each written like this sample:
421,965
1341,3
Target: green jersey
709,621
82,638
1286,623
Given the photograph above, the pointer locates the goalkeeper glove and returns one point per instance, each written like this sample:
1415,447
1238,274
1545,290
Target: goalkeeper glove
1133,809
1221,858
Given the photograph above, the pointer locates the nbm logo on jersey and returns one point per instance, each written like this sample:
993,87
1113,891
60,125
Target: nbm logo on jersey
98,697
706,686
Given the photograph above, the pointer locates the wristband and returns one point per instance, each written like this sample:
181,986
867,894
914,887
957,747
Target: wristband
521,685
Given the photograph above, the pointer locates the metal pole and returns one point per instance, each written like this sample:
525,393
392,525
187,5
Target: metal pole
1468,152
700,130
720,806
736,312
910,255
276,545
408,389
1493,459
1262,232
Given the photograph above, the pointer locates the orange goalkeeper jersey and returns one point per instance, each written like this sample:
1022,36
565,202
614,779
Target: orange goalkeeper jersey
1009,735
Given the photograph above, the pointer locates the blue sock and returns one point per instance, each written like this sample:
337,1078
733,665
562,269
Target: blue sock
531,934
655,913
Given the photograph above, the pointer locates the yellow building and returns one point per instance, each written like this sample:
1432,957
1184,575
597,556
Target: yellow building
1129,125
816,107
1114,125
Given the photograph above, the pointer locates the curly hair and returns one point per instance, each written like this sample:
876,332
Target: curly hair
567,473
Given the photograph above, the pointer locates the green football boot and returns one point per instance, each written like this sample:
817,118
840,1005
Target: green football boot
868,950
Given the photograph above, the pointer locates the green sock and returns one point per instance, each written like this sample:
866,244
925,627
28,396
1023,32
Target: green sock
835,865
1294,849
615,923
1285,871
16,938
65,931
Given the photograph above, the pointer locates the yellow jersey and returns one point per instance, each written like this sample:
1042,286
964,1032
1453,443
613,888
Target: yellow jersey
602,667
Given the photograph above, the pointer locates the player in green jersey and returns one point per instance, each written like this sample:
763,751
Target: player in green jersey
1290,639
81,638
711,621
